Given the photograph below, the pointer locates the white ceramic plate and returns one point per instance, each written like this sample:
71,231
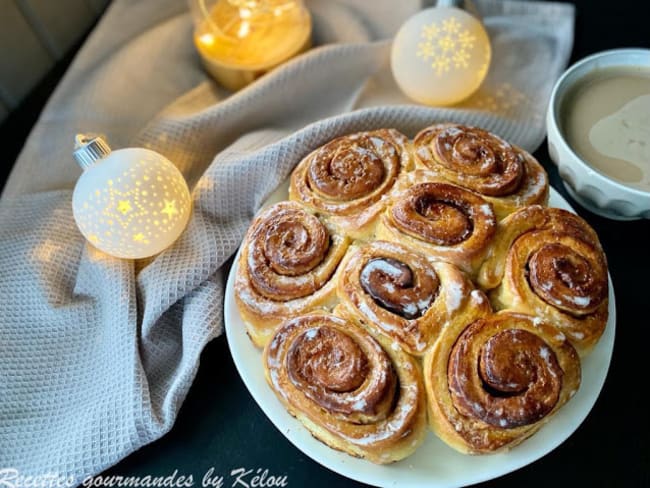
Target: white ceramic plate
434,464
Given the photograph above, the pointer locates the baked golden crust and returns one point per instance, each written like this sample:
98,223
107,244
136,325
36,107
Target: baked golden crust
505,175
402,298
350,393
347,179
441,220
494,382
371,268
549,262
286,267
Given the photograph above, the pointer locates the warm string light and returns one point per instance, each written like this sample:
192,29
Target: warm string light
441,56
130,203
239,40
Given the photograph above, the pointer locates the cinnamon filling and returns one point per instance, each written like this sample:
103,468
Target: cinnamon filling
481,161
564,278
346,169
295,247
513,379
284,250
330,359
393,286
333,370
438,213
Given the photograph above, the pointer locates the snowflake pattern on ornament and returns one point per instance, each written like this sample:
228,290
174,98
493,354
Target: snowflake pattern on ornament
446,45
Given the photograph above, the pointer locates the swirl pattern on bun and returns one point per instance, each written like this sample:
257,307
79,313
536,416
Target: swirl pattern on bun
505,175
350,393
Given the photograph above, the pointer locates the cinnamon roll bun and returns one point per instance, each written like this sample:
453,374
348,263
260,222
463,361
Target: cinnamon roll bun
350,393
441,220
495,382
402,298
286,267
506,176
549,262
370,272
347,179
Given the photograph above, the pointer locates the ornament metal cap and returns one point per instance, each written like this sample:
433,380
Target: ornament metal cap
467,5
88,149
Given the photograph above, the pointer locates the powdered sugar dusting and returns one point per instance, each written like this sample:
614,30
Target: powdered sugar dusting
486,209
477,296
452,131
425,303
390,287
366,310
545,353
386,268
410,309
580,301
535,186
454,296
360,404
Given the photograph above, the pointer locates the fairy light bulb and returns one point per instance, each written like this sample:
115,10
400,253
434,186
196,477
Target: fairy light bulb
440,56
130,203
239,40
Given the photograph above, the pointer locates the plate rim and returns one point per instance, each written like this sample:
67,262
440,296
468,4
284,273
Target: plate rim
291,428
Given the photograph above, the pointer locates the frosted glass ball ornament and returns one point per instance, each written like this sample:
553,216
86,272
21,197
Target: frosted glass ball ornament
130,203
440,56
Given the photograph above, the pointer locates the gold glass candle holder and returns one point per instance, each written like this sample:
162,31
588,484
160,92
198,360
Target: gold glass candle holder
240,40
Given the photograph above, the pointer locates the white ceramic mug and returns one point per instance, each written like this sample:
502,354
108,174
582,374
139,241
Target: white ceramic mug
590,187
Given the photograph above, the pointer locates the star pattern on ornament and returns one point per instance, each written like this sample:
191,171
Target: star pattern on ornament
140,237
446,46
460,59
123,207
430,32
451,25
169,208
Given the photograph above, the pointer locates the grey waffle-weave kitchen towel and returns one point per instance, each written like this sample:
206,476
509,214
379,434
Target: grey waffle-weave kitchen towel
97,354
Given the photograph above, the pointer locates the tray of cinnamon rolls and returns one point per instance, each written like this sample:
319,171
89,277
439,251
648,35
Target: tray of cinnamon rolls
421,310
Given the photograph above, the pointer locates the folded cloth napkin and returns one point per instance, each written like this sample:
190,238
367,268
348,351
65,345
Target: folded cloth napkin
97,354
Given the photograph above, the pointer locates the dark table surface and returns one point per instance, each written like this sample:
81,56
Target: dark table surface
221,427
